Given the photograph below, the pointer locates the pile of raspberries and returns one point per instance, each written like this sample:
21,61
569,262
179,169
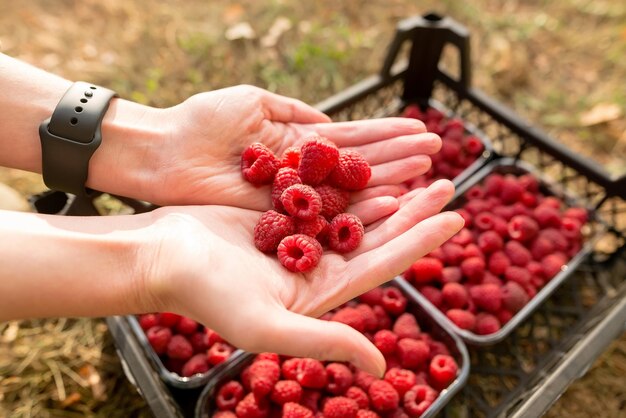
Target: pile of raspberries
311,188
418,368
458,149
515,240
184,346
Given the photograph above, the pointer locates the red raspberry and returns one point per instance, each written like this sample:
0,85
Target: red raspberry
318,157
299,253
463,237
159,338
489,242
473,268
512,190
186,326
339,378
413,111
453,253
386,341
443,370
263,376
451,274
483,221
450,150
295,410
285,178
370,320
522,228
359,396
169,319
547,216
229,395
286,391
249,407
340,407
259,164
310,399
352,172
487,297
345,233
271,229
513,297
372,297
268,356
454,295
384,321
462,318
466,217
570,228
556,237
486,324
472,145
580,214
311,373
552,264
301,201
529,199
289,368
490,278
475,192
401,379
418,399
529,182
434,115
219,353
406,326
424,270
365,413
551,201
472,250
412,353
432,294
363,379
224,414
536,271
393,301
350,316
383,396
541,247
493,184
396,413
180,348
290,158
504,316
517,253
199,342
212,337
498,263
316,228
196,364
517,275
334,201
148,321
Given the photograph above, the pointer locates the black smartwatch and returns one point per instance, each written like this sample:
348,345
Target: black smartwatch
71,135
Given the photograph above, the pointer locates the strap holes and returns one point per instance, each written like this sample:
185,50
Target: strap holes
73,121
78,109
84,100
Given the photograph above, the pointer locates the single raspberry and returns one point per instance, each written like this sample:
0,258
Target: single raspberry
340,407
339,378
454,295
536,271
180,348
271,229
462,318
263,376
434,115
363,379
547,216
268,356
169,319
412,353
517,253
490,278
393,301
370,320
472,250
472,145
413,111
531,290
552,201
286,391
483,221
386,341
498,263
552,264
345,233
513,297
473,268
384,321
512,190
432,294
541,247
196,364
406,326
316,228
504,316
148,321
529,199
451,274
453,253
352,172
289,368
311,373
350,316
424,270
159,338
522,228
212,337
299,253
529,182
359,396
463,237
301,201
518,275
383,396
249,407
418,399
219,353
186,326
290,158
490,242
401,379
229,395
365,413
372,297
486,324
334,201
443,370
285,178
559,242
224,414
580,214
318,157
259,164
570,228
310,399
450,150
487,297
295,410
199,342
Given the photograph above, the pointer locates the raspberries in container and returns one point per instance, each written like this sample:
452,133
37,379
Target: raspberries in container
458,149
516,239
184,346
310,193
419,367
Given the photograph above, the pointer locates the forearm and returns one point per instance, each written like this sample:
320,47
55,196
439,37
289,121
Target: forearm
69,266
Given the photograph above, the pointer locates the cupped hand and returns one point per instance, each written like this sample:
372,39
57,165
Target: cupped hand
198,160
206,266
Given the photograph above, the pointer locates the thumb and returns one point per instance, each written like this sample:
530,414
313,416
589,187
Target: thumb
297,335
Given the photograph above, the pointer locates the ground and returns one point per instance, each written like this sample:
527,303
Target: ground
559,64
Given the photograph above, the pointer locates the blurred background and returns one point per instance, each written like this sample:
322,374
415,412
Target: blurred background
560,64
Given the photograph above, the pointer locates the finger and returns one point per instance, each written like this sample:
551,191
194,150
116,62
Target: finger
402,200
400,147
393,190
350,134
285,109
373,209
292,334
395,172
427,203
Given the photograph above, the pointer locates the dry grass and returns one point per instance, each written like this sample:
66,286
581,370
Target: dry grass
551,61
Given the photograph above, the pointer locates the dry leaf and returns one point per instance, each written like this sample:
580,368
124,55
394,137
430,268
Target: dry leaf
71,399
280,26
600,113
241,30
